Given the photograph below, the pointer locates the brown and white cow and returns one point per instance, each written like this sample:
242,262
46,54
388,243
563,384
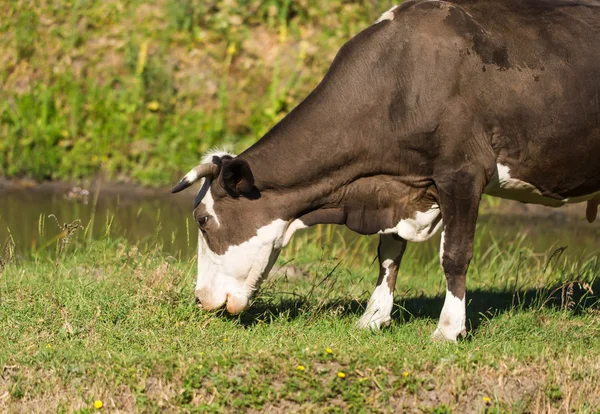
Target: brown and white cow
420,114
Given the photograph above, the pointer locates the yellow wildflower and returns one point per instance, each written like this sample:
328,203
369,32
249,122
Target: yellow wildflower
231,49
341,375
283,34
487,400
153,105
98,404
301,368
405,374
329,350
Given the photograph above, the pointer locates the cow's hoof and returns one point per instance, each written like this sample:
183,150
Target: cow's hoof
373,322
447,335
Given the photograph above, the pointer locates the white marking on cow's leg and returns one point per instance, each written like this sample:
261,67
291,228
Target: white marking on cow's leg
453,317
452,320
442,249
379,308
388,15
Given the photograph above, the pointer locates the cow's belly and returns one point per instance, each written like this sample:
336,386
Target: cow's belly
419,228
504,186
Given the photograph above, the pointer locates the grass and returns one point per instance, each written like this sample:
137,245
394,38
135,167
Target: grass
104,321
137,91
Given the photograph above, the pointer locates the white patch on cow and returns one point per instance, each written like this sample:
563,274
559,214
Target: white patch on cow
204,195
388,15
503,185
442,248
257,252
379,308
209,204
452,319
215,152
239,271
587,197
420,228
292,228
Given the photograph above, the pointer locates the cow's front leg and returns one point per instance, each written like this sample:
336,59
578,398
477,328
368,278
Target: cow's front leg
379,309
459,202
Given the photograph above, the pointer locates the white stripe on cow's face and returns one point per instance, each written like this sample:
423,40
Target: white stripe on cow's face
388,15
420,228
207,200
379,308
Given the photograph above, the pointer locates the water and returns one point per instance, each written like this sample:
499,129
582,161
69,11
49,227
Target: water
145,217
140,217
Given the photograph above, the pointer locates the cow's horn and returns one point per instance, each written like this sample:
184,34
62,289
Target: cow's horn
201,171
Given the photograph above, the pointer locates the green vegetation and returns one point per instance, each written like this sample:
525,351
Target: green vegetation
103,321
137,91
131,90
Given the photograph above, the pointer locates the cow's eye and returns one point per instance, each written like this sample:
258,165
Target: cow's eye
202,221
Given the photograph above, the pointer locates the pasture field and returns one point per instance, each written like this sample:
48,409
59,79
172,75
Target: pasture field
135,91
105,321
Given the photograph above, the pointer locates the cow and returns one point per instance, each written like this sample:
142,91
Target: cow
435,104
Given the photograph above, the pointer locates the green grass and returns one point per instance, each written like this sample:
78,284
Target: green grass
108,322
137,91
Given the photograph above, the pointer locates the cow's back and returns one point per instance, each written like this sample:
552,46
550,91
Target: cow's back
528,74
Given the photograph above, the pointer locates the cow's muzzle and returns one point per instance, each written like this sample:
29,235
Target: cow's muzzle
233,303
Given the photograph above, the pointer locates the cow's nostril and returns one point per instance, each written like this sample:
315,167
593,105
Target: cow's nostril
198,302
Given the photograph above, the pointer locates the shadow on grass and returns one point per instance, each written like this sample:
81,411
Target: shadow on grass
481,305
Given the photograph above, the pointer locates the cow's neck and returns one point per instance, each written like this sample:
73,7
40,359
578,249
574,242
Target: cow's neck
340,134
307,163
326,171
317,150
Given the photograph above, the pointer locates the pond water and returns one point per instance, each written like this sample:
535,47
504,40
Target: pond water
145,217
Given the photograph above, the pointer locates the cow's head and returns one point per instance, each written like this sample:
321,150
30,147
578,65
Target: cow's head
239,238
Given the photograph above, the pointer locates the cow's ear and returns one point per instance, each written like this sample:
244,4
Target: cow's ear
236,177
